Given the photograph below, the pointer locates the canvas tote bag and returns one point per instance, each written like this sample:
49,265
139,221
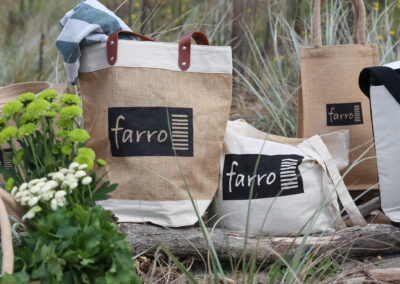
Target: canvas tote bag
330,99
157,112
381,84
295,182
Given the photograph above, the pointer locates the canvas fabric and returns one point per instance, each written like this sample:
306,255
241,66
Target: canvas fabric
381,84
147,87
329,97
296,182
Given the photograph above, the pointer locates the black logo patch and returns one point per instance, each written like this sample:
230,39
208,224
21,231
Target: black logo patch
343,114
276,175
150,131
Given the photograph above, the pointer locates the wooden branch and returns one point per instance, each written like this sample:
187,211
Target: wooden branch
356,242
388,274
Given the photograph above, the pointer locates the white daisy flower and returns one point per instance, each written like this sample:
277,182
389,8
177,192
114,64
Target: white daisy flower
14,190
60,194
33,201
53,204
83,166
35,189
73,185
29,215
52,184
73,165
86,180
23,186
33,182
58,176
80,174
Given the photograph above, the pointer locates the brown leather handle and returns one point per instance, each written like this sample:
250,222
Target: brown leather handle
359,22
112,44
184,48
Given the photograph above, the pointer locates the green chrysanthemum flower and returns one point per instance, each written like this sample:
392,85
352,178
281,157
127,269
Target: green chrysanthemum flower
25,118
87,152
66,149
48,95
70,112
12,108
26,98
3,122
62,134
65,123
101,162
26,129
9,184
37,108
51,114
55,107
79,135
84,160
8,133
70,99
56,149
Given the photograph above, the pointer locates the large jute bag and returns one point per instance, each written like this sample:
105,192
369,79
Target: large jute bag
381,84
157,112
330,99
292,184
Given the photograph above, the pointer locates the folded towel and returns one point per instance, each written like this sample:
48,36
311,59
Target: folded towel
88,23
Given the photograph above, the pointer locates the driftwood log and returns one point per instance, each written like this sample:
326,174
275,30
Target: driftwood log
355,242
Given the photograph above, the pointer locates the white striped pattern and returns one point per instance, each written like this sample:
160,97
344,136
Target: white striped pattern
180,132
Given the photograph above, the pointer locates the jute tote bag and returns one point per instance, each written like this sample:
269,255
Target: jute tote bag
330,99
157,112
381,84
294,183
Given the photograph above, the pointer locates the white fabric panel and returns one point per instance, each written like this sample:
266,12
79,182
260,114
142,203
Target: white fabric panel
393,65
165,213
386,123
204,59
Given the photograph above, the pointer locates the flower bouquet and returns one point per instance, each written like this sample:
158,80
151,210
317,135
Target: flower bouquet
63,237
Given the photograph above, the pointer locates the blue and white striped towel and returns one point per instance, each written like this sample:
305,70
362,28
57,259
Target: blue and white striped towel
88,23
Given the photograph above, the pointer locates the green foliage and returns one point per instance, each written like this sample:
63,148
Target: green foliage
78,246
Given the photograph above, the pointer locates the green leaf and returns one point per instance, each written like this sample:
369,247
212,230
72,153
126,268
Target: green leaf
102,192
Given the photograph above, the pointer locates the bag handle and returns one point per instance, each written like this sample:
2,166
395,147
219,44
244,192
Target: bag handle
386,75
184,47
359,22
183,52
112,44
6,241
316,145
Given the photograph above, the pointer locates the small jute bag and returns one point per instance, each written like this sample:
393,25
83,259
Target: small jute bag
329,98
157,112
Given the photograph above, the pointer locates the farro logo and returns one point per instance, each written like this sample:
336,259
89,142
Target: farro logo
344,114
276,175
150,131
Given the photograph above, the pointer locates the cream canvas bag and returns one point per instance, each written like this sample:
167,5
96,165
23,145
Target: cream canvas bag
157,112
294,182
